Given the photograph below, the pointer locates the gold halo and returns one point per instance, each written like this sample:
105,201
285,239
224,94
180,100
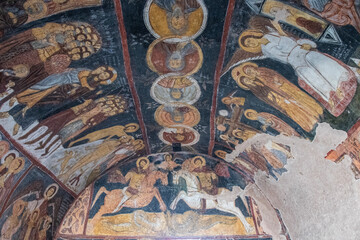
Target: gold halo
21,70
238,72
12,17
202,164
251,32
267,7
155,17
42,14
6,145
33,215
104,82
138,144
141,159
226,100
47,189
6,161
18,207
131,127
240,101
21,166
251,114
167,154
220,154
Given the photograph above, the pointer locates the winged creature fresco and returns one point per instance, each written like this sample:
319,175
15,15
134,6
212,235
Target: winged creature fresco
183,58
328,80
183,134
171,89
106,152
84,159
177,14
179,114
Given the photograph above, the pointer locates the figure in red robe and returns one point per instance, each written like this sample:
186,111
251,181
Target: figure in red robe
339,12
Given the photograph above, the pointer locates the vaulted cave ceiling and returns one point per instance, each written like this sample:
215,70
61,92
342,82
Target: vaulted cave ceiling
127,119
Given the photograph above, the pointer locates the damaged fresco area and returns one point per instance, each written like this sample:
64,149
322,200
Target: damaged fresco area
314,194
284,71
217,120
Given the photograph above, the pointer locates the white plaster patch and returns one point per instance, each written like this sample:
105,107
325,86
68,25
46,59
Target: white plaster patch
318,199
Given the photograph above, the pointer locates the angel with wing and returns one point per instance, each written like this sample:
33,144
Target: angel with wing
328,80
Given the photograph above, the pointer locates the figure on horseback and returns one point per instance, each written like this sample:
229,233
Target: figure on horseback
139,193
202,191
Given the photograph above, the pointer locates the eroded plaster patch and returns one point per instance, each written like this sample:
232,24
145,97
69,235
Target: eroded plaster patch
318,199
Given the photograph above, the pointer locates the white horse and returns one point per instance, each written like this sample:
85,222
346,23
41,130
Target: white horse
223,201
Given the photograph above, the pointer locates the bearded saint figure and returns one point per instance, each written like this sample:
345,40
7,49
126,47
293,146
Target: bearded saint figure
278,92
12,165
55,91
71,122
31,56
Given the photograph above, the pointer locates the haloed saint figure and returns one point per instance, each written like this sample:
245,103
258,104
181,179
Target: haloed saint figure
177,13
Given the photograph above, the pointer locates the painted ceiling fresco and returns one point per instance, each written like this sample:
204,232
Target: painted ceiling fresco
165,94
168,202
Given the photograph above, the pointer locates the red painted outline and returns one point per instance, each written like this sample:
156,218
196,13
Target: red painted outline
219,66
253,215
35,162
57,234
129,74
354,128
283,226
89,207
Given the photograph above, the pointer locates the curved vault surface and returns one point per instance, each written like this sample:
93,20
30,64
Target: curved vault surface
160,195
89,84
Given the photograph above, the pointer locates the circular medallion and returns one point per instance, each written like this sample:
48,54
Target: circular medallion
183,114
187,136
182,58
171,89
185,19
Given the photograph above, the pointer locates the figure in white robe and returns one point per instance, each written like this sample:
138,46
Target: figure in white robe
327,79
